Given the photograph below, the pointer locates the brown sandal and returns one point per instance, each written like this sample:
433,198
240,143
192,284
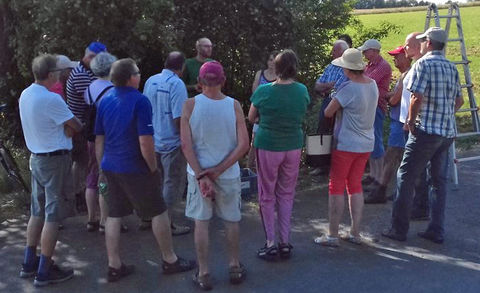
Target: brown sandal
237,274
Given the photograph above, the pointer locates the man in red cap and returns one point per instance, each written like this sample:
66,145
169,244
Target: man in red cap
214,137
396,140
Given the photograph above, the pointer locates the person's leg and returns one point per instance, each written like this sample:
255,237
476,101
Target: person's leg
112,240
376,158
91,188
232,232
201,246
163,235
421,200
267,167
439,182
285,192
355,192
336,204
103,210
418,151
92,204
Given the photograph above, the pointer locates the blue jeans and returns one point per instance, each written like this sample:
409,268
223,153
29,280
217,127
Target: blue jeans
378,149
419,150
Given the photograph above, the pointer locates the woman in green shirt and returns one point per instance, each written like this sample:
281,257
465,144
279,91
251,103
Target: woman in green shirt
281,106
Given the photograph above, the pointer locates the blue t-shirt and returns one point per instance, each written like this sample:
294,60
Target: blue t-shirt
167,93
123,115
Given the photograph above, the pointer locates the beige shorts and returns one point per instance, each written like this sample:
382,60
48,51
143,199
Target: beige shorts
227,201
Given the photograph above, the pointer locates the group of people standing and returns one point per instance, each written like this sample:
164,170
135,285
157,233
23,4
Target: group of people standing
184,130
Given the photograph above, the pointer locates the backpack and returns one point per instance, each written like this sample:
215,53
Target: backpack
91,114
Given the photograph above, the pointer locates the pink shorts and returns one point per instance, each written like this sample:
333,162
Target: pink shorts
92,167
346,170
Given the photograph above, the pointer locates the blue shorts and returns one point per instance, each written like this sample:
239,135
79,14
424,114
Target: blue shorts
397,134
378,149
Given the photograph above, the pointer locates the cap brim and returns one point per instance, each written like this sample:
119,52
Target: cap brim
424,35
362,48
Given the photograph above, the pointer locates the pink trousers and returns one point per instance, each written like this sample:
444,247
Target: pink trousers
277,178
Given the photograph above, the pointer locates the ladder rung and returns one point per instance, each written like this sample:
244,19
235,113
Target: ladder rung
467,159
467,134
467,110
455,40
461,62
463,86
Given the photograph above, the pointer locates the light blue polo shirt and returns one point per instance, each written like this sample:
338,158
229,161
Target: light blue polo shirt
167,93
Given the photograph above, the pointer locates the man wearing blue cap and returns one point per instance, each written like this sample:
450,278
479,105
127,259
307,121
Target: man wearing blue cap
78,81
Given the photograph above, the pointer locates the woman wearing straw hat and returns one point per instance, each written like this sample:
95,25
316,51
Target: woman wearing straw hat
354,104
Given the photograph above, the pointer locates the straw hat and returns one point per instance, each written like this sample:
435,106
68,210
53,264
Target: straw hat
351,59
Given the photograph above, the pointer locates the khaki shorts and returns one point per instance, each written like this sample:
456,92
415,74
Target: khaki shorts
227,201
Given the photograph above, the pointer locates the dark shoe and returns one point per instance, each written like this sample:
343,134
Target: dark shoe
367,180
181,265
390,233
145,225
29,271
285,250
93,226
237,274
55,275
431,236
179,230
378,195
117,274
372,187
203,282
268,253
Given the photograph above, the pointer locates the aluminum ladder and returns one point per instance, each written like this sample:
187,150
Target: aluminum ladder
454,13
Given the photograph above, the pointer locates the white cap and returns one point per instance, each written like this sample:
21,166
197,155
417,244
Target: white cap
434,33
63,62
370,44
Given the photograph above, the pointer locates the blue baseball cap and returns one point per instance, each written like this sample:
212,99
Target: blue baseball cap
97,47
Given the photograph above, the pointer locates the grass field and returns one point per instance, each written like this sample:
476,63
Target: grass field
415,21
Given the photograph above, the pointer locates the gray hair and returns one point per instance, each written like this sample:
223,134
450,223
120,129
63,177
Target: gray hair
42,65
343,45
102,63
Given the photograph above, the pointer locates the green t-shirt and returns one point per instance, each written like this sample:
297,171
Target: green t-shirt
192,67
281,108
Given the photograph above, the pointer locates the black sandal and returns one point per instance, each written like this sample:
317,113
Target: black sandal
268,253
237,274
285,250
203,282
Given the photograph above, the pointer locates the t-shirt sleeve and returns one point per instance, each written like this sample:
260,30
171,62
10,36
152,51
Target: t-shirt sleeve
143,112
179,96
58,110
418,79
344,96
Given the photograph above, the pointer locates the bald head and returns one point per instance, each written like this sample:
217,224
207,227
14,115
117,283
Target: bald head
175,61
412,46
204,47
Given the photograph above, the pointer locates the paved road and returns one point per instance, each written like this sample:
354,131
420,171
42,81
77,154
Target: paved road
379,266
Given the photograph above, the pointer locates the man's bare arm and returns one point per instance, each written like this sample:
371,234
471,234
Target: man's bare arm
323,87
458,103
186,136
147,149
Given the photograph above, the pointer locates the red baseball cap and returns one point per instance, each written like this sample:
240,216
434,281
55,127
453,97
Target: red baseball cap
211,73
396,51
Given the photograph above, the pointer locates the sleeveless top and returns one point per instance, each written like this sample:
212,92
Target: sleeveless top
263,79
214,133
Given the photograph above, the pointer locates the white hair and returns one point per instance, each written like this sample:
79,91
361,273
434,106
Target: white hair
102,63
343,45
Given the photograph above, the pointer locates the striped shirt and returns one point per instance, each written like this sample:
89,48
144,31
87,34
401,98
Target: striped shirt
380,71
333,73
438,81
78,81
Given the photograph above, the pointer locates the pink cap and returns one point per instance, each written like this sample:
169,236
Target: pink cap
211,73
396,51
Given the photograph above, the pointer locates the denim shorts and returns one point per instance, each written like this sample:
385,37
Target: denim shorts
397,134
227,200
378,149
52,187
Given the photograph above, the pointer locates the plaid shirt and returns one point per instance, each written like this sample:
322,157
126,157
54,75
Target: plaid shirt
333,73
437,80
380,71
